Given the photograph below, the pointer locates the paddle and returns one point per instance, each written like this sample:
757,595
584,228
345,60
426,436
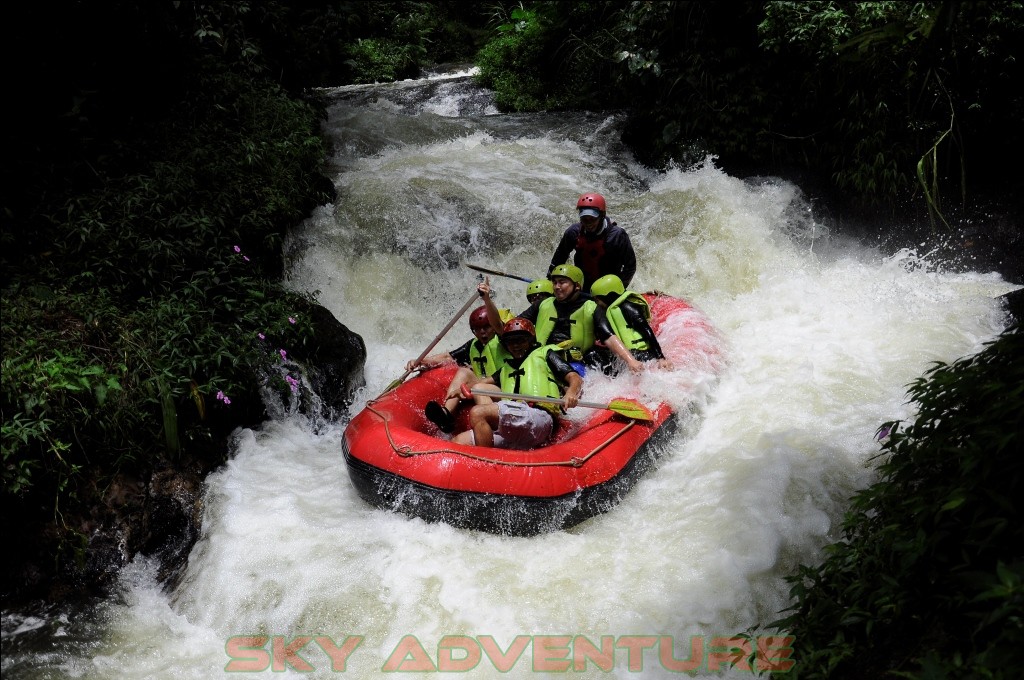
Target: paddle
497,273
624,407
469,303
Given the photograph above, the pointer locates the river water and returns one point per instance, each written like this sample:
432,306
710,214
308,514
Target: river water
815,340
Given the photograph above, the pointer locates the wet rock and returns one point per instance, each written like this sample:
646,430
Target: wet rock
1015,304
334,361
172,519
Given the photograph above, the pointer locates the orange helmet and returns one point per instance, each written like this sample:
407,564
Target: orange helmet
516,326
478,319
591,201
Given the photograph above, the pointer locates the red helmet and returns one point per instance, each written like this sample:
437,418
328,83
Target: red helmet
478,319
518,325
591,201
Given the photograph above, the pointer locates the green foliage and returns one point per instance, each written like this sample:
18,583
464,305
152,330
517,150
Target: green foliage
141,319
391,43
337,43
87,385
388,41
861,53
696,83
158,248
382,60
55,386
508,63
821,29
913,81
927,580
887,99
227,180
546,56
141,314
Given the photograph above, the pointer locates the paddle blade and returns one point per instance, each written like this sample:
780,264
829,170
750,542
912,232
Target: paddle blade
398,381
631,409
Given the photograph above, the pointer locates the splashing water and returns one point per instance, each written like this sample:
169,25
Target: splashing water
806,344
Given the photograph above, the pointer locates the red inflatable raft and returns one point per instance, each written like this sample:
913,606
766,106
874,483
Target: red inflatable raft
400,461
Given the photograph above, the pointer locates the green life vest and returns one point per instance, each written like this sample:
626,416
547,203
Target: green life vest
581,323
629,337
487,360
533,377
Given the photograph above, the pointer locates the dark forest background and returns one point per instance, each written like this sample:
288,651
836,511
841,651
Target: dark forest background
157,153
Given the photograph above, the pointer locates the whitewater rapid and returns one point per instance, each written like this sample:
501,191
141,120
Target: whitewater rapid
818,338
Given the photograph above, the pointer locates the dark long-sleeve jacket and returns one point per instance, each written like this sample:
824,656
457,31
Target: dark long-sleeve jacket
609,252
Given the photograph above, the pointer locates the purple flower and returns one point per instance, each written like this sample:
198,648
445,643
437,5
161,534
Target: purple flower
245,257
284,355
238,249
223,397
291,319
261,336
292,383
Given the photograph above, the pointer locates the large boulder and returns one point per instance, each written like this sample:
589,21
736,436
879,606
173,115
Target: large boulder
333,361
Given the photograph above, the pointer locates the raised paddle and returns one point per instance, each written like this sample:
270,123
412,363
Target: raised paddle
623,407
497,273
469,303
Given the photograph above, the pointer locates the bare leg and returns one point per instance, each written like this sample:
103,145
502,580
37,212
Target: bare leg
464,438
483,419
454,395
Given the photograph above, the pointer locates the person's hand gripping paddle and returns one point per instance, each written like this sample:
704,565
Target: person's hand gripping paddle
458,315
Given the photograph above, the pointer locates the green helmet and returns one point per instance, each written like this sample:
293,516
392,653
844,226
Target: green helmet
540,286
569,271
607,285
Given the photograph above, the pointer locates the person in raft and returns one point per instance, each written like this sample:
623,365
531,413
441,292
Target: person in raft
566,318
538,289
629,316
532,369
480,356
602,247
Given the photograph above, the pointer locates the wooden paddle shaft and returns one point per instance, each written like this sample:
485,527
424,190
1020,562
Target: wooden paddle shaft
398,381
497,273
448,327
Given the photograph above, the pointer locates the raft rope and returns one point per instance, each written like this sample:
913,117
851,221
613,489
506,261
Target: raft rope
576,461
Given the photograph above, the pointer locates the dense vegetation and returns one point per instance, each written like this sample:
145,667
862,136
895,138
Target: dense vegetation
893,103
164,149
156,163
929,578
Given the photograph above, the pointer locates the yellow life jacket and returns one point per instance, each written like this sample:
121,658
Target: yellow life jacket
533,377
629,337
487,360
581,326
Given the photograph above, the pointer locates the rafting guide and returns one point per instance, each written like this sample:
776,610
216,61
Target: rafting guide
542,653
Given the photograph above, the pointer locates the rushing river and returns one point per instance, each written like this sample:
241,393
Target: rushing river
817,337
